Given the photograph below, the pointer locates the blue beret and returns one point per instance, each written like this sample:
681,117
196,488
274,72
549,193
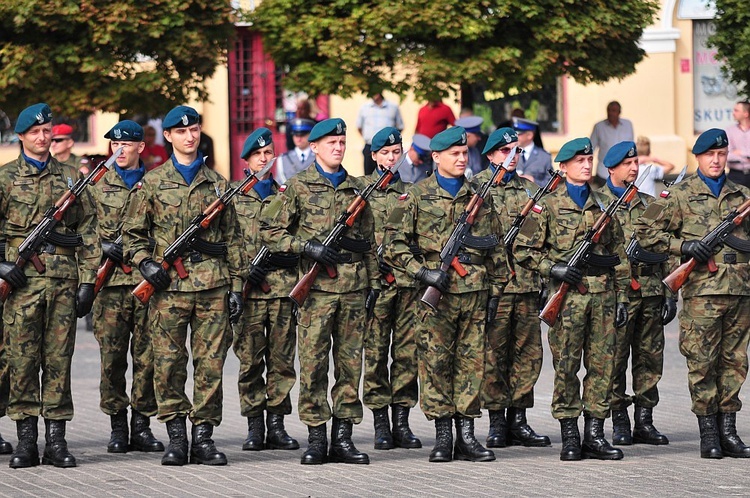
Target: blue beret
618,153
421,143
126,131
36,114
710,139
181,116
385,137
521,124
455,135
577,146
257,140
328,127
302,126
500,137
472,124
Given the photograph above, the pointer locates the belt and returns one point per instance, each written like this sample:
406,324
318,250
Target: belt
464,258
645,271
733,258
48,248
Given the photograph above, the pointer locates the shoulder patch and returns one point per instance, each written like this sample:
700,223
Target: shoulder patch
139,185
403,197
23,182
282,188
664,194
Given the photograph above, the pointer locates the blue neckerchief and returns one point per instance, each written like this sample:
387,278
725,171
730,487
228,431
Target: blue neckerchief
579,194
395,178
508,176
336,178
714,184
450,185
264,188
37,164
131,176
188,172
618,191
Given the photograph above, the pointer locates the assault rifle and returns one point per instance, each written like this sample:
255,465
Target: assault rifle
107,268
551,185
389,277
43,233
461,236
189,239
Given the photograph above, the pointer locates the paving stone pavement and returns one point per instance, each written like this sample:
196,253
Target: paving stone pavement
670,470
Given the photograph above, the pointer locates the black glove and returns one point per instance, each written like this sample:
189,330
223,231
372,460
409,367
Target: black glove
11,273
436,278
669,310
543,296
155,274
621,315
492,303
566,273
320,253
112,251
257,275
235,306
370,300
696,249
384,268
84,299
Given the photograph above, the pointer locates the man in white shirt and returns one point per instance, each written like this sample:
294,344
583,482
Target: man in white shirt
738,134
373,116
607,133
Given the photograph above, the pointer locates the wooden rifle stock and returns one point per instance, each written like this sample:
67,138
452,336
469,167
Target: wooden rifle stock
552,309
679,276
302,289
145,290
432,295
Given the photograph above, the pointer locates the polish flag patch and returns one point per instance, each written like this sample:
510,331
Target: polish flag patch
664,194
282,188
537,208
403,197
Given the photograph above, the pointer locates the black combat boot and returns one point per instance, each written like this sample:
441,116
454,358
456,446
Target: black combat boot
403,437
443,450
467,447
731,444
317,446
594,444
644,431
118,440
383,436
141,437
521,433
342,448
621,435
710,445
5,447
255,434
202,448
177,451
277,437
27,452
56,450
571,440
498,429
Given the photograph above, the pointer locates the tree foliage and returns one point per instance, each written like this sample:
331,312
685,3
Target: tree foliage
344,46
732,40
83,55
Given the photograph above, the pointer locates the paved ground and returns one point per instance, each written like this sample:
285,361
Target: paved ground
646,471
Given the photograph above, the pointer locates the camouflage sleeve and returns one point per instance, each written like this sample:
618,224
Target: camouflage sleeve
622,270
276,220
399,230
371,256
233,237
658,227
136,227
529,248
90,253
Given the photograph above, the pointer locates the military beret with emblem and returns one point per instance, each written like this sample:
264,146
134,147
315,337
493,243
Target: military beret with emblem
521,124
301,126
180,117
576,147
500,137
332,127
126,131
257,140
384,138
618,153
472,124
710,139
456,135
36,114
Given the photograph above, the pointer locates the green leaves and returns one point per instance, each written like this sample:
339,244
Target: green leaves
732,41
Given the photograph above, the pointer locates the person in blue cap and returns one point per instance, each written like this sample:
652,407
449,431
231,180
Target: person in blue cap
207,299
300,157
534,162
650,307
475,140
40,312
715,316
419,160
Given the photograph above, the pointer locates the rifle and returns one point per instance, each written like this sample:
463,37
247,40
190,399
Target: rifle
188,239
721,234
389,277
551,185
42,234
582,254
260,259
107,268
461,237
343,223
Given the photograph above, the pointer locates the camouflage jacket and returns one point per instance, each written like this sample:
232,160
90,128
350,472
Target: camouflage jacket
688,212
427,215
25,195
307,208
553,235
164,207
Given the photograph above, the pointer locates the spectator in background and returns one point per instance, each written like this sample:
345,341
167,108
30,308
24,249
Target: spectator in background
476,140
373,116
535,162
153,154
304,111
607,133
657,172
62,146
419,160
434,117
739,144
298,158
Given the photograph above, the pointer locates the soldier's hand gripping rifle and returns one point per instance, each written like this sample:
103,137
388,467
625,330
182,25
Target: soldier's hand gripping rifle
343,223
551,185
190,237
721,234
42,234
107,268
461,235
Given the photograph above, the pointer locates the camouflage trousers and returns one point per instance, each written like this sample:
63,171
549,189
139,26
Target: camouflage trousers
4,382
265,339
330,322
206,313
513,355
450,354
40,328
644,337
714,332
586,327
120,326
391,329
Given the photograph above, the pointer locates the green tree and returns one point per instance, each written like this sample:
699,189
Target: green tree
344,46
84,55
732,40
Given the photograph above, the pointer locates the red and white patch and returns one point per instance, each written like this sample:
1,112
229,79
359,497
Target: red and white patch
664,194
537,208
403,197
139,185
282,188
